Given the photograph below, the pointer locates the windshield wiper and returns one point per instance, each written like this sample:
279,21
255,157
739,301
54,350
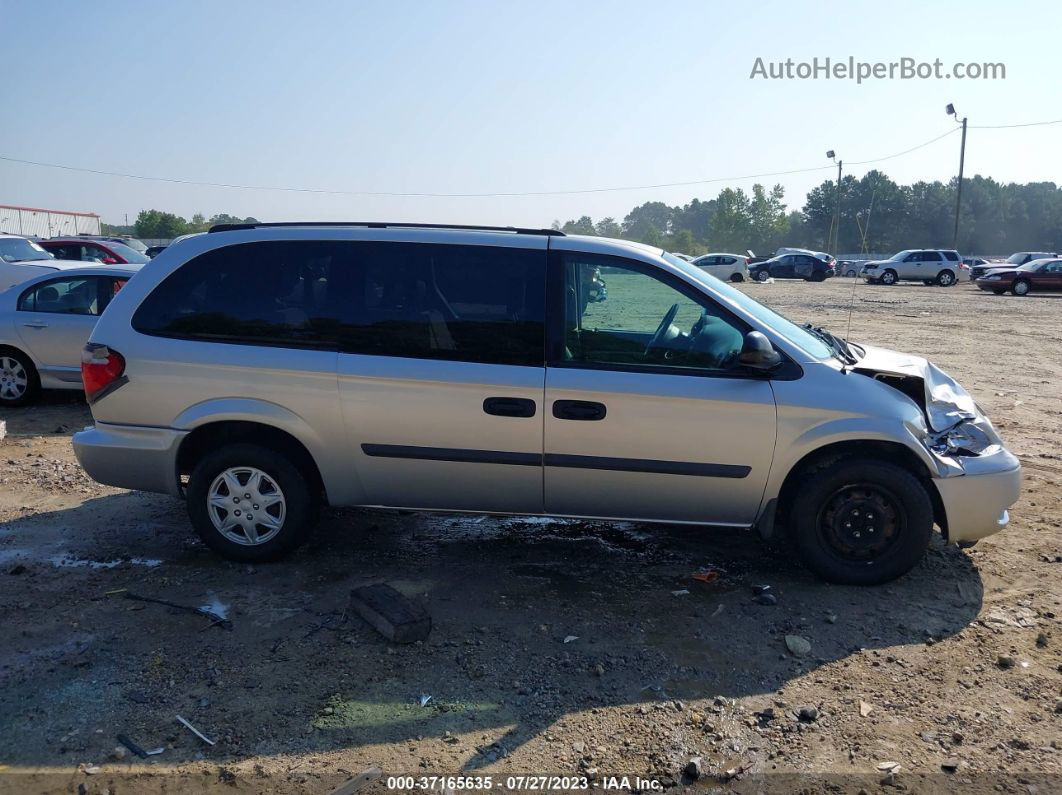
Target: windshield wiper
838,347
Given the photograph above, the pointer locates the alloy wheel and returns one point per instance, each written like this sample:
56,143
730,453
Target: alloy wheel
14,381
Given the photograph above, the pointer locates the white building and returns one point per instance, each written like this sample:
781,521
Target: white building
37,222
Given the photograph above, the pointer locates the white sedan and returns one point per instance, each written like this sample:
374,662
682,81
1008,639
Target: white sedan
728,267
45,322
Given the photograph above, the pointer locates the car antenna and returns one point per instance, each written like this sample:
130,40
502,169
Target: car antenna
855,280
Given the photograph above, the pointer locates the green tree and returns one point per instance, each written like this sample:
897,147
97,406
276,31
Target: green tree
649,222
584,226
158,224
607,227
732,221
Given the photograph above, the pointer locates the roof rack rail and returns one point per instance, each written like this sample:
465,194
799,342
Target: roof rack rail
390,225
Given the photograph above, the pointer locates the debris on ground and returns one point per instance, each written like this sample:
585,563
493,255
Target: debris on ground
359,782
706,576
195,731
393,615
218,620
798,646
136,749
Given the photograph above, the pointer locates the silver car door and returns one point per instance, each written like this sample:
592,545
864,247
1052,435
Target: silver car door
647,416
441,373
54,319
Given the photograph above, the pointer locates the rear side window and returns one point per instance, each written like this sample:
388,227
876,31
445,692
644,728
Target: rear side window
951,256
428,301
81,295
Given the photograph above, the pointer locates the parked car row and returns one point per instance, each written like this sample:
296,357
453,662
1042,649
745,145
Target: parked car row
1039,275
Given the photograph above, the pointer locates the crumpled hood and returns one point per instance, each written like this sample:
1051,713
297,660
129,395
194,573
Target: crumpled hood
946,402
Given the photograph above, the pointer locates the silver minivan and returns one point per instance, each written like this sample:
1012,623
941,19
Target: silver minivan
261,371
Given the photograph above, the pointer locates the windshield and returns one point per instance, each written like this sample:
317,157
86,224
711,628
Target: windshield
1016,259
128,254
900,255
768,317
18,249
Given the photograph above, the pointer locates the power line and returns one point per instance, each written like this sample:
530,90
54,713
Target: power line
1009,126
509,194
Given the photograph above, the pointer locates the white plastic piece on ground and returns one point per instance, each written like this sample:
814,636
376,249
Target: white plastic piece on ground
3,429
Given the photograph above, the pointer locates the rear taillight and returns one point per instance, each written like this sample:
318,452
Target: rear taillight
100,367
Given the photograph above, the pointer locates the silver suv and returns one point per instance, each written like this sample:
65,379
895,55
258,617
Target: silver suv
929,266
262,371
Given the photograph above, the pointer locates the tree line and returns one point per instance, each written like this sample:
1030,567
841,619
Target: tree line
876,216
159,225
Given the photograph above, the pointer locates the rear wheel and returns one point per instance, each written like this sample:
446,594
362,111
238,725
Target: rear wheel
250,503
19,382
860,521
818,276
850,274
946,278
1020,287
736,277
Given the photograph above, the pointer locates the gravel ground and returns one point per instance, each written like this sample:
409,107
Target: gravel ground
558,647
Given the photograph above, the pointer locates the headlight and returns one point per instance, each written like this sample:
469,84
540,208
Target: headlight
993,278
969,437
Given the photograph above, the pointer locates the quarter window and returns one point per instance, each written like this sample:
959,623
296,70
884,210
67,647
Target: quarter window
619,313
428,301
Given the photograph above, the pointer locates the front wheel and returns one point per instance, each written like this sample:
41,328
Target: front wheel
860,521
889,277
1020,288
250,503
850,274
762,276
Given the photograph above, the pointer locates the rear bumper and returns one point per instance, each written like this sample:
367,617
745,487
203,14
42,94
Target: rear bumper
130,457
976,503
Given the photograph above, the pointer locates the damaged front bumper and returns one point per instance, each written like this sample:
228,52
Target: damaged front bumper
976,501
977,478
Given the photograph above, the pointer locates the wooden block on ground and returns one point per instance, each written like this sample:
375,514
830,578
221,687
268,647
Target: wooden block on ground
390,613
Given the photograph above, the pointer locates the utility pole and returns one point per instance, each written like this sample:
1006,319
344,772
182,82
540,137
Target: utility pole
837,210
950,110
958,192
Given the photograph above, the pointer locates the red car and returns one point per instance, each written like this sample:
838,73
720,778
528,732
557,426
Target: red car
1039,275
102,251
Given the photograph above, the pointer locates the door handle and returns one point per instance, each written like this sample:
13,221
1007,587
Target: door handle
509,407
35,325
578,410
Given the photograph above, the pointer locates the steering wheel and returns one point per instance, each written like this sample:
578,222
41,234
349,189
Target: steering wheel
661,331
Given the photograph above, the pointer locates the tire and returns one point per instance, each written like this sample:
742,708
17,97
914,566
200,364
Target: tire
946,278
294,515
818,276
762,276
998,292
20,384
1020,287
829,500
851,274
736,277
889,277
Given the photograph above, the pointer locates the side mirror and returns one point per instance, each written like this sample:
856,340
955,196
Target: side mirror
758,353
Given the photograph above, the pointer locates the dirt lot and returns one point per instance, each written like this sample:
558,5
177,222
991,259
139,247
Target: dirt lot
558,647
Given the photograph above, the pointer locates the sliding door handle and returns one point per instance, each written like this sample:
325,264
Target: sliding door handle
509,407
578,410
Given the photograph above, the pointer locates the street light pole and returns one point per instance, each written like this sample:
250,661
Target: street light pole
962,162
837,210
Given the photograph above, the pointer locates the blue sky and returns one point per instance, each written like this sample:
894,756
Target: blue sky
475,97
